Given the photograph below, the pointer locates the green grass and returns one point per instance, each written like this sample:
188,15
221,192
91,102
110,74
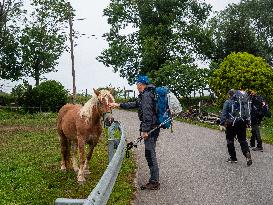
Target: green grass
30,164
267,130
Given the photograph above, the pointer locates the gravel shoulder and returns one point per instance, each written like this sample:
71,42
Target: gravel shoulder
194,171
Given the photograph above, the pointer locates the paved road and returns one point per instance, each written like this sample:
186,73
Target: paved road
194,171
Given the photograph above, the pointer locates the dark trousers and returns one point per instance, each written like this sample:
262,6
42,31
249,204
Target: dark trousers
239,130
150,155
255,135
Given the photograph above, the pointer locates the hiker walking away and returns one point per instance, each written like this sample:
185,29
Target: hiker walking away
259,109
235,119
147,116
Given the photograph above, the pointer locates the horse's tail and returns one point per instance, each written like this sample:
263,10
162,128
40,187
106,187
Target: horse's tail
64,141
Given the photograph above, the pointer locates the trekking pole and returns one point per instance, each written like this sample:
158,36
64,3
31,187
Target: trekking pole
130,145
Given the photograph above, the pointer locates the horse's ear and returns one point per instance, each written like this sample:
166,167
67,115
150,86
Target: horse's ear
96,92
111,90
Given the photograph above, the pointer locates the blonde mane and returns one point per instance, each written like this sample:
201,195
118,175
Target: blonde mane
87,109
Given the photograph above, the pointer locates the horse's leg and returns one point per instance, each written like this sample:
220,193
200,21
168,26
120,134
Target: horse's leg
81,144
74,159
64,147
88,157
68,159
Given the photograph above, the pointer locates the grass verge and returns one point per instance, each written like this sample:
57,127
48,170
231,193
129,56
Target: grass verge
30,164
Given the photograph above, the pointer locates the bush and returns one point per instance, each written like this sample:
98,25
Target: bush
19,92
194,101
81,98
48,96
6,99
242,71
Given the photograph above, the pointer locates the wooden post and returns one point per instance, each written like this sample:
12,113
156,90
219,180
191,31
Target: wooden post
72,51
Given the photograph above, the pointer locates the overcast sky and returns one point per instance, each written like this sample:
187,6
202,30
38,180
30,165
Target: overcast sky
89,72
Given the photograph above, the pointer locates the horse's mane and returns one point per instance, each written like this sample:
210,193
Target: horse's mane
87,109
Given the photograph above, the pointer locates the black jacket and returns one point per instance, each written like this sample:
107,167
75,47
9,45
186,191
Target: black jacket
146,108
256,109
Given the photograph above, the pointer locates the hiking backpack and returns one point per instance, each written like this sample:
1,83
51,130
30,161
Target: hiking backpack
240,107
266,111
166,106
257,106
262,107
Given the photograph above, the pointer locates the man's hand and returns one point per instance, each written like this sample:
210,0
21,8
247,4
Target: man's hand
144,135
114,105
248,124
222,128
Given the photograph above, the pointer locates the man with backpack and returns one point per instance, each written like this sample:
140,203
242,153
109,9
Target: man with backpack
259,110
147,116
236,117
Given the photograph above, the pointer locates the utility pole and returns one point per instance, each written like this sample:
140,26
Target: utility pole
72,51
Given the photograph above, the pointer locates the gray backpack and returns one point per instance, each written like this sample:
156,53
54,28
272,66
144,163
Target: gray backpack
240,107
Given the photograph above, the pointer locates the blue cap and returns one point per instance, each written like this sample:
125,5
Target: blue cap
143,79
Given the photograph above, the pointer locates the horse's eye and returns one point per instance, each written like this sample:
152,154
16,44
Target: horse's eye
103,100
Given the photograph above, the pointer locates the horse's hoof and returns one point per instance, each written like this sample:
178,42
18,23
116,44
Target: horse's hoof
76,170
63,168
86,172
81,180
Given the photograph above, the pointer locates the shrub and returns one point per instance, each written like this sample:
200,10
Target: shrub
81,98
6,99
19,92
242,71
50,95
194,101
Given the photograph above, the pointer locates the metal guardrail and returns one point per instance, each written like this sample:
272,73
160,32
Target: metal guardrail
100,194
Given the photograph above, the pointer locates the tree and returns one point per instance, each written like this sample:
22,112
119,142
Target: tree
243,71
242,28
262,24
10,12
161,31
43,38
184,79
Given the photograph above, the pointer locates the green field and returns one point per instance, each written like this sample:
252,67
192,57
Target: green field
30,164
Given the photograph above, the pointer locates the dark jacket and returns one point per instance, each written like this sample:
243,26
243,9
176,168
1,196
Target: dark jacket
225,112
146,108
256,109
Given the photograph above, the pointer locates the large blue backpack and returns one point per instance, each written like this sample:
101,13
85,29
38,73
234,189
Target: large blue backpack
163,113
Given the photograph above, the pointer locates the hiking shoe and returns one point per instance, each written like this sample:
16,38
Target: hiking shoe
258,149
151,186
232,160
248,159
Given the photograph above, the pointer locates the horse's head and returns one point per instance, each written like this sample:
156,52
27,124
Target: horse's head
105,97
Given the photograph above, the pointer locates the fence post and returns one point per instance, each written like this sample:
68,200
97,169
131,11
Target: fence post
112,142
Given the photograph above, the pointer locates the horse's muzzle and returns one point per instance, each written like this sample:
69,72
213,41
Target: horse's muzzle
108,119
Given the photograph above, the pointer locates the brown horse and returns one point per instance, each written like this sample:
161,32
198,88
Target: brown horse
78,125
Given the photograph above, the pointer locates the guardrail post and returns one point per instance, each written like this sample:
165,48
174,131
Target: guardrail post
112,141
